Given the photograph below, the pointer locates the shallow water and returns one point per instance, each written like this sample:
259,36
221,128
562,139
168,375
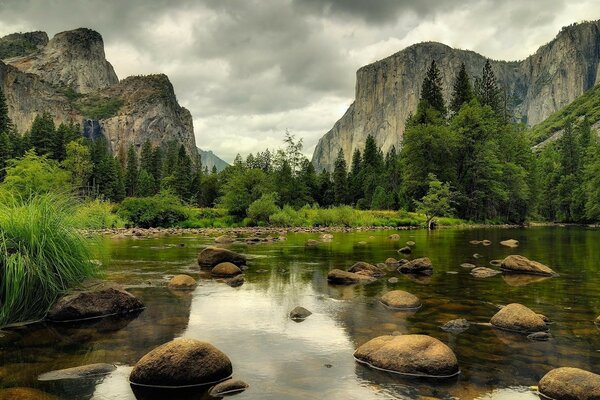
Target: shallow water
282,359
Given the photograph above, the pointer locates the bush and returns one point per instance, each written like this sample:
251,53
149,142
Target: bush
162,210
41,255
260,210
97,214
288,217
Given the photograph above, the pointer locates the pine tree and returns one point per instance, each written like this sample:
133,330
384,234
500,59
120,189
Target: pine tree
340,179
488,92
5,122
462,91
131,173
309,183
5,153
146,157
355,177
431,91
42,134
156,168
285,184
146,184
326,195
183,175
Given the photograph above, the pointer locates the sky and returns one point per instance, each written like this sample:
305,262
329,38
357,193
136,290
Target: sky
250,69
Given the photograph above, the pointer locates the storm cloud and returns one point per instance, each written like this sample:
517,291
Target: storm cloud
250,69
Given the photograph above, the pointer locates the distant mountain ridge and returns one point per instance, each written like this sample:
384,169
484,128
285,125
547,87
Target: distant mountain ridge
388,91
210,160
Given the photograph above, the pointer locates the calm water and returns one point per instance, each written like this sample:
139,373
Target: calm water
282,359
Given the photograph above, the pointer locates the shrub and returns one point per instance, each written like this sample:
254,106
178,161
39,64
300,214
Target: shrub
162,210
260,210
288,217
41,255
97,214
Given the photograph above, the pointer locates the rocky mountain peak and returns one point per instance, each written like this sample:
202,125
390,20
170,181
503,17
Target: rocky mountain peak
21,44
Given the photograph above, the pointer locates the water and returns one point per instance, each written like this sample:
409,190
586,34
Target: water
282,359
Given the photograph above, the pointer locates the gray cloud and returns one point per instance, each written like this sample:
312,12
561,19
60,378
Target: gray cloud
249,69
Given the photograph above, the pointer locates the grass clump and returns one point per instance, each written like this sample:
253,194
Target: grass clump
41,255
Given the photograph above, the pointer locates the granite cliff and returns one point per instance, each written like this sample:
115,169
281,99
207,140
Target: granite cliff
388,91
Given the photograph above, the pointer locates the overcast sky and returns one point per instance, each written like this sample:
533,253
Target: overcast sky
249,69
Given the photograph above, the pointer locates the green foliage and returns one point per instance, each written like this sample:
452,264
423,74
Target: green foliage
42,134
96,214
33,174
242,188
98,107
340,179
288,217
462,91
437,202
487,89
261,210
41,255
146,184
5,122
431,90
161,210
131,173
78,163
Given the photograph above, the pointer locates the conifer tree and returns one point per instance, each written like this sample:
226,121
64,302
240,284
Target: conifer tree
462,92
340,179
183,175
42,134
131,174
488,92
431,91
355,178
156,168
326,196
146,157
146,184
5,122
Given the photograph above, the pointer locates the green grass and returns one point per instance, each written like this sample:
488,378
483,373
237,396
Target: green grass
41,255
96,214
587,104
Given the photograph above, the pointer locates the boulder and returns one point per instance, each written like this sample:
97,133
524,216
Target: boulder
339,277
475,241
182,282
570,384
86,371
312,243
486,242
414,355
393,280
228,387
456,325
236,281
326,236
518,318
225,269
94,304
299,314
522,265
410,243
394,236
417,266
400,299
211,256
391,261
405,250
367,269
484,272
495,263
468,265
510,243
182,362
23,393
224,239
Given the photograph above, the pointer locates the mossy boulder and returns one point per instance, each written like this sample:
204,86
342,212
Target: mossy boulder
225,269
518,318
182,282
421,265
399,299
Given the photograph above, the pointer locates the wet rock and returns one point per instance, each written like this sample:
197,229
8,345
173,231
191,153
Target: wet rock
477,255
545,319
299,314
339,277
570,384
401,300
522,265
486,242
496,263
22,393
410,243
510,243
597,321
518,318
417,266
475,241
523,279
393,280
224,239
484,272
415,355
86,371
182,362
312,243
367,269
97,303
391,261
211,256
362,243
227,388
468,266
236,281
456,325
225,269
405,250
394,236
326,236
539,336
182,282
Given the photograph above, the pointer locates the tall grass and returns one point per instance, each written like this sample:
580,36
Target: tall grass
41,255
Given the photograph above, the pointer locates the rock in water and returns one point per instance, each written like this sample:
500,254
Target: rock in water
522,265
224,239
415,355
182,362
228,387
410,243
394,236
236,281
182,282
299,314
468,265
367,268
312,243
570,384
405,250
597,321
456,325
86,371
417,266
339,277
518,318
539,336
391,261
484,272
211,256
22,393
225,269
400,299
93,304
510,243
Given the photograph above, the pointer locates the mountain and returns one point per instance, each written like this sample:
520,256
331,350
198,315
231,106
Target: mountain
210,160
388,91
69,77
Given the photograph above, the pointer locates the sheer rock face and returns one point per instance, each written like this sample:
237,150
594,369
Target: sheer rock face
388,91
68,76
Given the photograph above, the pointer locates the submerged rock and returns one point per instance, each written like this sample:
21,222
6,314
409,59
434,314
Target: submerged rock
86,371
484,272
182,362
211,256
94,304
182,282
468,265
518,318
394,236
405,250
401,300
410,243
299,314
312,243
224,239
339,277
415,355
228,387
510,243
236,281
486,242
393,280
367,269
326,236
225,269
417,266
456,325
391,261
539,336
570,384
522,265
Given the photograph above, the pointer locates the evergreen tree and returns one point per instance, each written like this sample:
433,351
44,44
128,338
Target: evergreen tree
131,174
146,184
146,158
156,168
355,177
5,122
79,163
326,196
340,179
5,153
431,91
42,134
285,184
462,92
309,184
182,176
118,184
488,92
